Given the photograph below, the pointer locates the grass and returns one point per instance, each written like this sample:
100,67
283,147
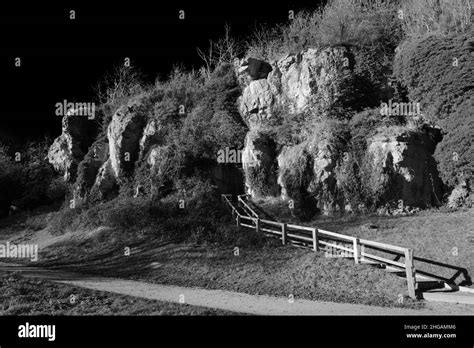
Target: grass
22,296
436,234
262,265
270,269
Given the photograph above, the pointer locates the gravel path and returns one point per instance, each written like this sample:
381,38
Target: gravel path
226,300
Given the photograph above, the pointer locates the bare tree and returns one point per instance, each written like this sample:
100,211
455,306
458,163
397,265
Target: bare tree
225,50
119,83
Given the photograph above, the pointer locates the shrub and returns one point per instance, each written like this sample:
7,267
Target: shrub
370,24
57,189
25,176
289,129
437,73
214,122
114,90
370,29
266,43
10,172
64,220
455,153
126,213
357,23
441,16
223,51
202,219
196,117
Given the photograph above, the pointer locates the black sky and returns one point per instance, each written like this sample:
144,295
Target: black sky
63,58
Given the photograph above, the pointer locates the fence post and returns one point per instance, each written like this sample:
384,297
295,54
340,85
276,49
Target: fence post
283,233
410,273
315,239
357,252
238,220
257,224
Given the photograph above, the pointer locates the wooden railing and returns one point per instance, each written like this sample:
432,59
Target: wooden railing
241,203
316,238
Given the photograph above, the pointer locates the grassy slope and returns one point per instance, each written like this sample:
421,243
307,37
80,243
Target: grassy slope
19,296
438,235
272,269
441,236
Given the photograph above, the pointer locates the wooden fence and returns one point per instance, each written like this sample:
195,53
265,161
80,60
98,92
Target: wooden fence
317,238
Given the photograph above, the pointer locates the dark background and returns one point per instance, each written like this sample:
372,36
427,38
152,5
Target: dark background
64,59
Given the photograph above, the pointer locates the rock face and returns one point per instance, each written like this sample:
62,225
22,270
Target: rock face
106,182
404,169
70,147
157,159
123,138
294,83
306,175
316,82
108,159
308,85
90,165
260,165
151,136
295,174
323,184
124,133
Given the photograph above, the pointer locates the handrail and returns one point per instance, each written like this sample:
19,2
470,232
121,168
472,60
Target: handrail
377,245
287,231
246,206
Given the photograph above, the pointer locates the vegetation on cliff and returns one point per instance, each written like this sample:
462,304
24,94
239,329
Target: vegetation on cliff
410,51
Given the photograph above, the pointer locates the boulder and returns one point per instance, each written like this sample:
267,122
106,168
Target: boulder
257,101
252,69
